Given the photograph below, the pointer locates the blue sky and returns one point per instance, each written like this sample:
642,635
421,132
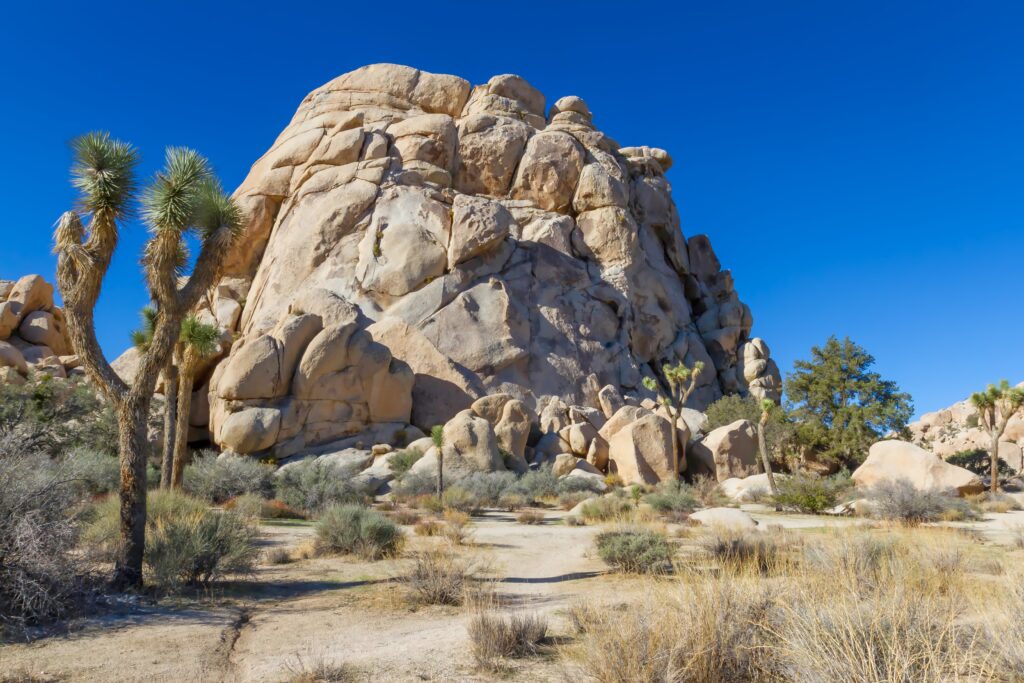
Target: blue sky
859,166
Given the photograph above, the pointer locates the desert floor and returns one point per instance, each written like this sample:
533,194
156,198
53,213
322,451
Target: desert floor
332,609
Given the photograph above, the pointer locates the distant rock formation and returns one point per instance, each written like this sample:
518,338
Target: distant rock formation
414,243
954,429
32,332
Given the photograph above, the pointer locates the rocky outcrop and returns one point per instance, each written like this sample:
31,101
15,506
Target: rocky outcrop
487,244
955,429
892,459
727,452
33,337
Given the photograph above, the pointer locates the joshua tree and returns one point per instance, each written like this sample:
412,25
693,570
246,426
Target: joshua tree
183,199
197,341
996,405
141,339
681,382
437,434
767,408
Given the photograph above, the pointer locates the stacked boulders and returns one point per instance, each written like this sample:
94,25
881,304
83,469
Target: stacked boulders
33,335
957,428
491,244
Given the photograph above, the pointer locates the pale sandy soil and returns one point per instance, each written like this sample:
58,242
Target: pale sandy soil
345,610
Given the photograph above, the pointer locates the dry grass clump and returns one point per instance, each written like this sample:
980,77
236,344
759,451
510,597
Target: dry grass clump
530,517
607,509
875,606
708,492
437,578
900,501
25,676
994,502
740,550
319,670
456,527
277,556
428,527
495,637
405,516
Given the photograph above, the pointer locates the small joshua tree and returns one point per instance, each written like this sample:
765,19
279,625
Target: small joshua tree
681,382
184,199
141,339
996,405
197,341
437,434
767,408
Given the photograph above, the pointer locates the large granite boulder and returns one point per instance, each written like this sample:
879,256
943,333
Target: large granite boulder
892,459
33,336
727,452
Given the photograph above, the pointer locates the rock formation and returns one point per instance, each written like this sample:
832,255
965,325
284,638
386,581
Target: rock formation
410,235
32,332
954,429
892,459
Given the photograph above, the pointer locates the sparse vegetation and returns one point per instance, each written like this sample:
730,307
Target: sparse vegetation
403,460
437,578
636,550
313,485
810,493
495,636
673,498
357,530
218,477
901,501
530,517
607,508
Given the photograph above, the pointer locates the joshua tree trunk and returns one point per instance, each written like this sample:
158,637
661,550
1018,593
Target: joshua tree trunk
675,443
131,420
170,423
766,462
440,473
181,428
993,454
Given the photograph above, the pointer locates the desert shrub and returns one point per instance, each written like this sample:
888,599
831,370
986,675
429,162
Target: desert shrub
901,501
672,497
246,505
406,517
277,509
414,484
637,551
40,577
458,498
979,462
530,517
403,460
314,485
567,501
580,485
320,670
437,578
708,492
456,525
512,501
427,527
810,493
97,472
216,478
357,530
538,484
740,550
186,542
488,487
606,508
277,556
573,520
994,502
494,636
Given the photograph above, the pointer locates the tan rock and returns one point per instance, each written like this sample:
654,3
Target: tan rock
726,452
42,329
250,430
597,453
724,518
549,170
470,445
8,318
564,464
33,293
478,226
893,459
641,451
9,375
11,357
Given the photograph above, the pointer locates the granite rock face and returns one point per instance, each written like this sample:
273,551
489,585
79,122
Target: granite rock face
33,336
421,237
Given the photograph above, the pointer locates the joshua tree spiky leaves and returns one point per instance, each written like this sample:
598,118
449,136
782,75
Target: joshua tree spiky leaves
197,341
141,339
996,405
182,199
680,381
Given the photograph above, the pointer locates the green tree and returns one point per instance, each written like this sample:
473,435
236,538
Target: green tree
196,342
840,406
996,405
183,200
678,382
779,432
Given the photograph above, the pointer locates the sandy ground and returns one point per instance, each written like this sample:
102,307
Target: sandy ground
334,610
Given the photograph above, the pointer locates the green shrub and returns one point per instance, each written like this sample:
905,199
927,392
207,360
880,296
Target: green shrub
217,478
314,485
414,484
538,484
672,497
606,508
488,487
401,461
580,484
458,498
901,501
979,462
638,551
97,472
186,542
810,493
357,530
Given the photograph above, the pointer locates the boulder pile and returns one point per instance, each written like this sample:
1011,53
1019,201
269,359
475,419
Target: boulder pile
414,244
33,336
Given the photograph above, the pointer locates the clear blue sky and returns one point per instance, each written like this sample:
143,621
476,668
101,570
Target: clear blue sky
858,165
